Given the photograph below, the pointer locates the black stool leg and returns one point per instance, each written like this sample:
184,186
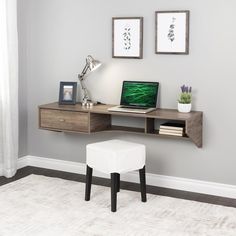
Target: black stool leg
113,191
118,183
89,173
142,177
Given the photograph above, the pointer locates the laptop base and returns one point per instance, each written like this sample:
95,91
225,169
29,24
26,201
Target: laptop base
131,110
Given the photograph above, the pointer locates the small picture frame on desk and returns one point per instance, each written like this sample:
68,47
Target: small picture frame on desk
67,94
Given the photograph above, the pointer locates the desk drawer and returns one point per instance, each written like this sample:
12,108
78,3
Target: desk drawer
64,120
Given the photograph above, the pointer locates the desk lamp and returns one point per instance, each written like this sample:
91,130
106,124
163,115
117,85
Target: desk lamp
91,65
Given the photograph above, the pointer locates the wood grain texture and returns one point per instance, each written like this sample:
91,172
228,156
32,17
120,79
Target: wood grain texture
126,129
56,106
194,129
149,125
64,120
168,114
99,122
75,118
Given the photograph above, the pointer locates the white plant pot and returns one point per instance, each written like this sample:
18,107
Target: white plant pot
184,107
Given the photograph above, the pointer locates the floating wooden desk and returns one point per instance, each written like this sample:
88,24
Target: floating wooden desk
75,118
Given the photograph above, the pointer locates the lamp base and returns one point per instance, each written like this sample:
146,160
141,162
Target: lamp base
87,104
90,103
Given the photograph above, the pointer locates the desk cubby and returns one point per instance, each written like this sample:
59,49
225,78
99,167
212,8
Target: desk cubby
75,118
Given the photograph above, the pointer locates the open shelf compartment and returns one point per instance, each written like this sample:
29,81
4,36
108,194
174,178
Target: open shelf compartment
152,127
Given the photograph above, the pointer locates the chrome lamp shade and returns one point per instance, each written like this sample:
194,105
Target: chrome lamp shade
92,63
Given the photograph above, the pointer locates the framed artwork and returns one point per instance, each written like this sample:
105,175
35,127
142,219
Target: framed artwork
67,94
172,32
127,37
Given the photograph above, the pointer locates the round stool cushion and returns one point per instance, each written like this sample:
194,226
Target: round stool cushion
115,156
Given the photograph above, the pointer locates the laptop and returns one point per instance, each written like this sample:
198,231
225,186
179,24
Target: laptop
137,97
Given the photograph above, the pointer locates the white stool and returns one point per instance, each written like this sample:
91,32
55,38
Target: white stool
115,157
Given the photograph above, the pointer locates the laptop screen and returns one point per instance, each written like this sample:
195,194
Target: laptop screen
139,94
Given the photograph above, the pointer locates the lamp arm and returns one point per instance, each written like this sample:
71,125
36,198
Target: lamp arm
81,79
85,91
84,71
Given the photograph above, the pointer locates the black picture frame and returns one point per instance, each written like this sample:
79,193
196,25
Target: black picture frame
68,92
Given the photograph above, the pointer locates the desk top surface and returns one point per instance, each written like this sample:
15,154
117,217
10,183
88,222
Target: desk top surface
102,109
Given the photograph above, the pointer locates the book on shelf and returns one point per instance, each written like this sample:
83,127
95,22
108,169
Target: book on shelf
173,126
170,133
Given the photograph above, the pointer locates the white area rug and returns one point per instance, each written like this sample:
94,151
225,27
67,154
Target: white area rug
38,205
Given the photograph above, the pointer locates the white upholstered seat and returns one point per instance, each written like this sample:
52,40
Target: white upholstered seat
115,156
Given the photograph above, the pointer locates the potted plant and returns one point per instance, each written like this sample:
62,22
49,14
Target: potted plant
185,99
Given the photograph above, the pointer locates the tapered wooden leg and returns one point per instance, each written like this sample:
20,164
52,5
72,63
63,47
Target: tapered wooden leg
142,177
89,173
113,191
118,182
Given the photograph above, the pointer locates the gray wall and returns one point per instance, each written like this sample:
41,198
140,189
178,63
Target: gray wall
57,35
23,113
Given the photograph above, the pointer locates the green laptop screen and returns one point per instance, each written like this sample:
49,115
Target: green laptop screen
140,94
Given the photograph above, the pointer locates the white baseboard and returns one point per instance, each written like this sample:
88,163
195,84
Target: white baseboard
191,185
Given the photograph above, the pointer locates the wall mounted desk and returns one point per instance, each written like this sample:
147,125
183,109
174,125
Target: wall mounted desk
75,118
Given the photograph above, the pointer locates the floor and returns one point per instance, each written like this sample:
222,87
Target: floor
38,205
124,185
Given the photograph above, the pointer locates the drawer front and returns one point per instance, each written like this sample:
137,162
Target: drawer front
64,120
